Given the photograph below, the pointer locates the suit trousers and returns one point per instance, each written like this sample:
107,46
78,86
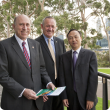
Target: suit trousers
76,104
34,107
53,102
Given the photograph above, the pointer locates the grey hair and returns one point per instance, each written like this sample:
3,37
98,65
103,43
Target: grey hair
48,17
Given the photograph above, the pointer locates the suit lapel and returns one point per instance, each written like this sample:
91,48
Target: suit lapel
18,50
70,60
80,56
45,46
32,52
56,43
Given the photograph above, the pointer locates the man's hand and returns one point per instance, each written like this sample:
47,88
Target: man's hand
51,86
65,102
45,98
30,94
89,105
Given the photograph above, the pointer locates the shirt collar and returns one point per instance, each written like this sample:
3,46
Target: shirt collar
19,40
78,50
46,38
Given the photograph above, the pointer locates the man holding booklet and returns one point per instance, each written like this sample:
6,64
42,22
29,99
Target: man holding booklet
22,69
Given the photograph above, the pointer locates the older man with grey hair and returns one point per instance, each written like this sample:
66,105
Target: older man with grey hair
52,47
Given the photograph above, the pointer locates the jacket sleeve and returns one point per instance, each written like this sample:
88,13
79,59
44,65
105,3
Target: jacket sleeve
64,49
93,79
8,83
62,79
44,75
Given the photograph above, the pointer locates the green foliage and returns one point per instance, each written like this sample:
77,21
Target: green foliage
97,5
89,1
37,22
8,18
70,6
67,45
84,26
93,40
103,58
63,22
6,6
93,31
107,5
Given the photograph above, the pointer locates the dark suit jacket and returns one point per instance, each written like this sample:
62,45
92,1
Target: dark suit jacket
86,77
59,49
15,74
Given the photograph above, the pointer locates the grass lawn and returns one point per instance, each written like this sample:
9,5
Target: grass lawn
99,104
106,70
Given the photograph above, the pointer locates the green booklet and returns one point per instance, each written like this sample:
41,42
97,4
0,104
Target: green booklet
50,92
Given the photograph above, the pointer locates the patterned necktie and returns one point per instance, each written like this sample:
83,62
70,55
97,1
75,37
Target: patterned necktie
53,56
74,63
26,54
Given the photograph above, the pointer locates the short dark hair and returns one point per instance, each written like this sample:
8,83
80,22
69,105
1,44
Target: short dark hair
49,17
73,30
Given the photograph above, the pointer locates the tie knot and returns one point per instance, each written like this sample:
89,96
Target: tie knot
74,52
23,43
49,40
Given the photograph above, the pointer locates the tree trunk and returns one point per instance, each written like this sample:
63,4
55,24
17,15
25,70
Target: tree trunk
107,36
42,4
86,46
8,30
109,47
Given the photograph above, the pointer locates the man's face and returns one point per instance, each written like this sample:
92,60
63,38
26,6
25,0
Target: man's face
49,27
74,40
22,26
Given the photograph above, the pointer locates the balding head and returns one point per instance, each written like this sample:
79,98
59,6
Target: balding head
22,26
15,19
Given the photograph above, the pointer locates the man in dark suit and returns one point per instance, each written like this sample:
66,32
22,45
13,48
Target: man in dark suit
78,72
52,65
22,69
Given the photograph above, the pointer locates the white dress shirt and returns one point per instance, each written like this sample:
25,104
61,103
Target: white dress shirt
77,52
20,44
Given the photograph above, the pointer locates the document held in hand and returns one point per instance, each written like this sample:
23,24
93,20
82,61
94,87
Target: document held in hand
50,92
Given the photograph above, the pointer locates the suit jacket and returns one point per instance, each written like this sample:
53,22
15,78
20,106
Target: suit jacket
86,77
15,74
59,49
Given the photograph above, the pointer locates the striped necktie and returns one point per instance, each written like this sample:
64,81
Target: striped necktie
26,54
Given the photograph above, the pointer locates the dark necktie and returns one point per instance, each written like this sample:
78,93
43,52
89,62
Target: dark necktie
26,54
74,63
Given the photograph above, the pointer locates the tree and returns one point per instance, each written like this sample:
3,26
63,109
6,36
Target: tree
101,8
11,8
68,14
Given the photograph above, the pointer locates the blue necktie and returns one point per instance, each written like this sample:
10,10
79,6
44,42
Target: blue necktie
74,63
